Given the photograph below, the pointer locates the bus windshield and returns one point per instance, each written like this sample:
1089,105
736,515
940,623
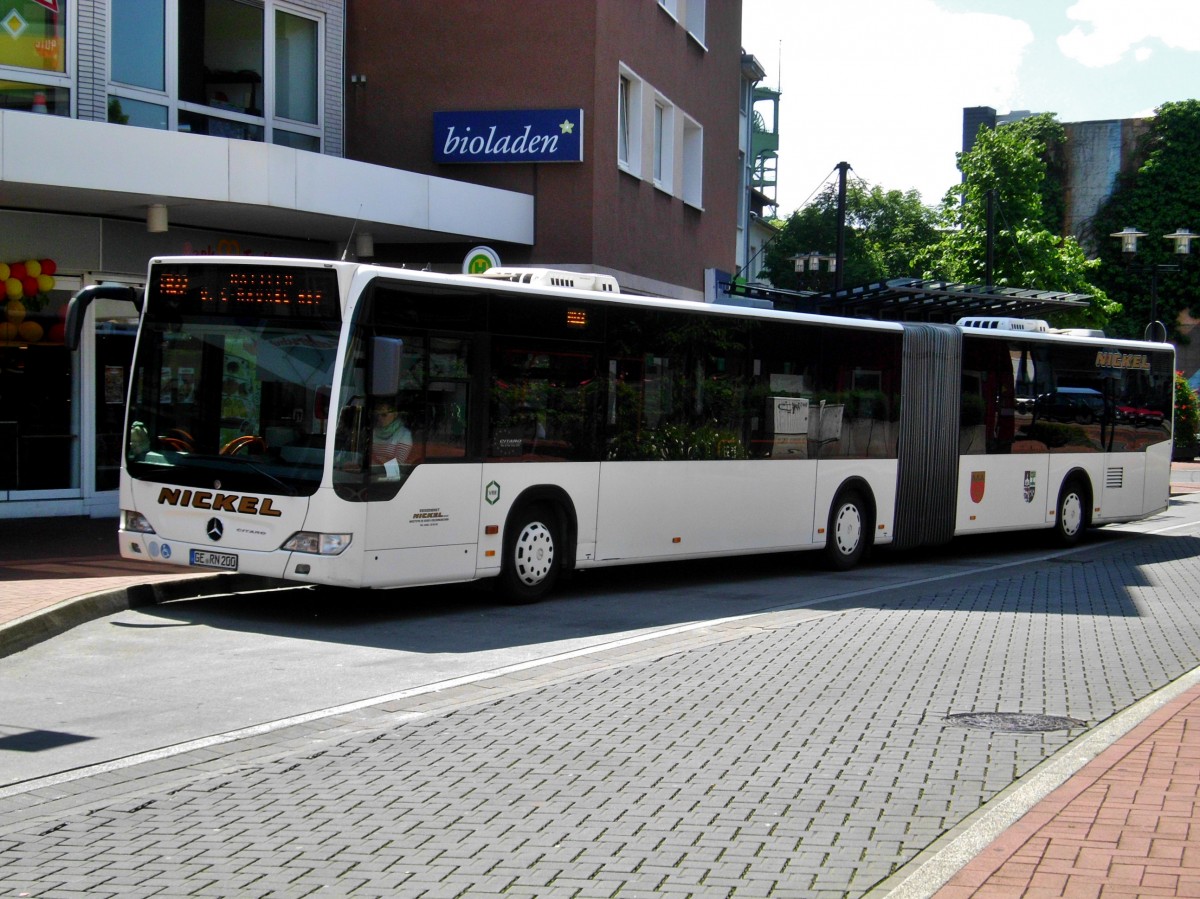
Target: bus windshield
232,377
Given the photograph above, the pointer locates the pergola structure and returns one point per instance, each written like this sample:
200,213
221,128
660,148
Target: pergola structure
915,300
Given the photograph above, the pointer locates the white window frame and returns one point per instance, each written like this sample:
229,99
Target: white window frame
670,7
169,97
692,161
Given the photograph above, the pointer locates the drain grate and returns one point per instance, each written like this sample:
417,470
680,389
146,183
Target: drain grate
1014,722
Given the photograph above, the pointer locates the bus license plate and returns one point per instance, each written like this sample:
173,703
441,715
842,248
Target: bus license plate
209,559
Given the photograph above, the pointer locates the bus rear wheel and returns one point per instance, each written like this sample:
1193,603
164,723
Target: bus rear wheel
1071,518
531,555
848,534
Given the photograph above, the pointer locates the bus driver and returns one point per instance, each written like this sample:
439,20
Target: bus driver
391,440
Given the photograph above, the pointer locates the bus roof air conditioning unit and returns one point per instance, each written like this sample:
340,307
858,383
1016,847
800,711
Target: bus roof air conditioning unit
1028,325
548,277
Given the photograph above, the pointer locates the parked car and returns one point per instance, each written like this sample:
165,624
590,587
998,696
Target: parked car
1140,417
1079,404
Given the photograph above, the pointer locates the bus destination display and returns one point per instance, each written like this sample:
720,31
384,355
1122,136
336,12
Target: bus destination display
251,290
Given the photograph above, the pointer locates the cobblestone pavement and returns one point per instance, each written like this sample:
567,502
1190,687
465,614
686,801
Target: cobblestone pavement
800,753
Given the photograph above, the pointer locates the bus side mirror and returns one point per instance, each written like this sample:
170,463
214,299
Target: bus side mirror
77,307
385,366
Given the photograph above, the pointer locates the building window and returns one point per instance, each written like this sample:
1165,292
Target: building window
629,122
671,7
226,68
139,40
674,140
127,111
33,58
296,68
659,114
664,144
623,120
693,162
221,64
694,14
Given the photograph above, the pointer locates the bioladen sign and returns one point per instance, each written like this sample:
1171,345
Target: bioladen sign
508,135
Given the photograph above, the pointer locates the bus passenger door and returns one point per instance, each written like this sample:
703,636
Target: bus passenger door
428,531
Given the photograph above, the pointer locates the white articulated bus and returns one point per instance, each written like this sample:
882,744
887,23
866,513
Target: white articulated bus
549,423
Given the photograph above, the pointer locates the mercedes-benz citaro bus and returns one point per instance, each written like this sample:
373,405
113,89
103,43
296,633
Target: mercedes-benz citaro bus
536,422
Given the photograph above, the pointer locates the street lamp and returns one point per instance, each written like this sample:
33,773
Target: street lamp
1156,330
811,262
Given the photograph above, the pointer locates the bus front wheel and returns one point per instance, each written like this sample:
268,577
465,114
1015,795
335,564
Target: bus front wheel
848,534
531,555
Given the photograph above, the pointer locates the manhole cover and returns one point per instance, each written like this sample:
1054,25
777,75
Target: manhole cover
1014,722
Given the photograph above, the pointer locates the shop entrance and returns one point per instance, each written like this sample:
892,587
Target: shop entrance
38,444
62,414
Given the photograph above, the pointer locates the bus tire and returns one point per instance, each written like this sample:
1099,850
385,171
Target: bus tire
849,532
1071,515
533,545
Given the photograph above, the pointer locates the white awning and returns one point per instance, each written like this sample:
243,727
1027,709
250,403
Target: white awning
56,164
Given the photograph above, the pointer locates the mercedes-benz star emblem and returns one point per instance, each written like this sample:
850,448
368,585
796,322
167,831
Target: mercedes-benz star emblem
215,529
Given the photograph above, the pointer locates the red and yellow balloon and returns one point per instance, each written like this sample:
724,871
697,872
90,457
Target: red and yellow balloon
22,281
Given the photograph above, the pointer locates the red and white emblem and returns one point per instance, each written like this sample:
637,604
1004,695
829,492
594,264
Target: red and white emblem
978,484
51,5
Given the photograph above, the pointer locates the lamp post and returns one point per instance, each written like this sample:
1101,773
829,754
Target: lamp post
1156,330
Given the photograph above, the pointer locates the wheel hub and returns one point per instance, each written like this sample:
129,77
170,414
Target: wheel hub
534,554
1072,514
847,529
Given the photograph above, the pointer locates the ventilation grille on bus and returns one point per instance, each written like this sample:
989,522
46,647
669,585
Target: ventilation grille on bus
1115,479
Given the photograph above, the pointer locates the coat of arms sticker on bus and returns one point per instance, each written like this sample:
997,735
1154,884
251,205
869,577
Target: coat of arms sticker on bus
1030,486
978,483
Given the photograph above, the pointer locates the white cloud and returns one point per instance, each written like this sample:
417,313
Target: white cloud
880,84
1111,28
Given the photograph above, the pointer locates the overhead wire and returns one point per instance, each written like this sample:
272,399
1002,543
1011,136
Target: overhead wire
774,237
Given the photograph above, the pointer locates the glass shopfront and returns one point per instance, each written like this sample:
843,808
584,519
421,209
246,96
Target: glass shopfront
37,436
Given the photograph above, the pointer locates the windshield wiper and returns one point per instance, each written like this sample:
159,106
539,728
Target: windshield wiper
242,460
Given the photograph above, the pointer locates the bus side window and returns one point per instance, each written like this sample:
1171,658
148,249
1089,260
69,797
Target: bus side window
440,430
544,398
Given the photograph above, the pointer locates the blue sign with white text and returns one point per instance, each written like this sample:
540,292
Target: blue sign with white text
509,135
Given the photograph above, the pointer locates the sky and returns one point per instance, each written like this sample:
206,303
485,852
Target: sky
881,84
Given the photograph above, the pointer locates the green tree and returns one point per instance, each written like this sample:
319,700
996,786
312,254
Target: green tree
1021,162
1159,198
1187,417
885,232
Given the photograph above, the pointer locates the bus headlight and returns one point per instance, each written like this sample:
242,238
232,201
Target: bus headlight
318,544
136,522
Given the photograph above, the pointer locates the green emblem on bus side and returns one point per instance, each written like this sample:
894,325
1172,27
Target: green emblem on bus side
492,493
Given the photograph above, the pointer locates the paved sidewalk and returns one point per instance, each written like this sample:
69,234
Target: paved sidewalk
1127,823
56,573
